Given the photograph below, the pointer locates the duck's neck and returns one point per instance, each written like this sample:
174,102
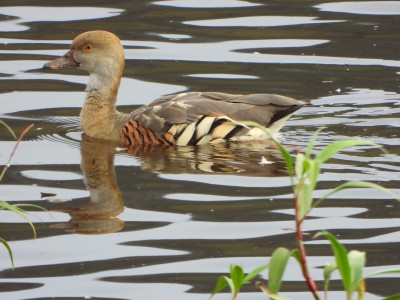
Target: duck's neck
99,116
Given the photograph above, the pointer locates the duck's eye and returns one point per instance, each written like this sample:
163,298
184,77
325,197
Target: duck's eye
87,47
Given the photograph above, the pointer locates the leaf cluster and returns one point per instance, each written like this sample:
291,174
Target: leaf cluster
304,172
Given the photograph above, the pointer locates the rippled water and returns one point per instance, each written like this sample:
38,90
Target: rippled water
156,224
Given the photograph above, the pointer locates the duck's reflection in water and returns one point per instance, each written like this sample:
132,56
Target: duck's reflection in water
256,158
100,214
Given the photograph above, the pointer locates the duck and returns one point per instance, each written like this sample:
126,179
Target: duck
187,118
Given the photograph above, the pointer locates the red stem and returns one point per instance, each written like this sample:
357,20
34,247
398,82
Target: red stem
15,148
303,255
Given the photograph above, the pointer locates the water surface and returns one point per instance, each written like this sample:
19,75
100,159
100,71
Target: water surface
156,224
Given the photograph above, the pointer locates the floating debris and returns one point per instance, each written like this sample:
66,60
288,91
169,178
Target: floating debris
265,161
47,195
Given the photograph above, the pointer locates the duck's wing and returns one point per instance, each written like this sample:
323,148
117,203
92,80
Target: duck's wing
264,109
189,117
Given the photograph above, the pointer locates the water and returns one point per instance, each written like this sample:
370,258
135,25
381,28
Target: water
155,224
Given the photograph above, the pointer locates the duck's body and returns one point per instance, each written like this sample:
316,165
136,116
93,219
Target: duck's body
183,119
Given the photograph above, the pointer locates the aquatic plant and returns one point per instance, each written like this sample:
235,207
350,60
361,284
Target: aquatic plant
16,208
303,173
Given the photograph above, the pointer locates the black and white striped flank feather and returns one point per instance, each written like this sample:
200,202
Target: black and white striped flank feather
199,118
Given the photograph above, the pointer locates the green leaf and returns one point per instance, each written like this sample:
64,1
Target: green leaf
296,255
277,266
390,271
306,195
288,160
393,297
310,145
4,242
9,129
221,284
237,279
237,276
328,270
299,165
341,258
355,185
15,208
357,264
313,173
232,287
30,205
254,273
337,146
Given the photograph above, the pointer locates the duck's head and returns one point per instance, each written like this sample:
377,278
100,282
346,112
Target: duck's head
98,52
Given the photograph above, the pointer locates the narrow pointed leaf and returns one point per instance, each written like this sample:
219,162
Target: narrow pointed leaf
8,128
311,142
277,266
314,169
30,205
390,271
254,273
231,285
285,153
288,160
355,185
299,165
7,165
19,211
17,208
341,258
393,297
309,187
4,242
304,201
221,284
337,146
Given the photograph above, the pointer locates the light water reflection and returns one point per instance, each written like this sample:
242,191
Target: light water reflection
260,21
363,7
207,4
188,213
27,14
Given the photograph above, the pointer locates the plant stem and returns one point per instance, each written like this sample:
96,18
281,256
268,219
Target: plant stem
263,288
13,152
303,255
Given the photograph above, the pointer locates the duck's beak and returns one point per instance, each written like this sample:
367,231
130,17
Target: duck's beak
65,61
